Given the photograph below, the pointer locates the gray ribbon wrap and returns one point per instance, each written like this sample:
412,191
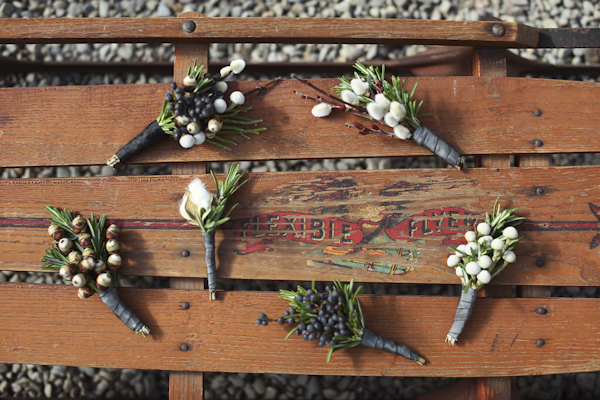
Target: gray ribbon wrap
374,340
463,312
209,257
424,137
111,298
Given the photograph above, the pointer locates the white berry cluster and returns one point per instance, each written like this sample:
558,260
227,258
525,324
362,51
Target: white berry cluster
487,252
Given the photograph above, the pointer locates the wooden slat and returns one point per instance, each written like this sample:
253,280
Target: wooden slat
265,30
476,115
50,325
378,214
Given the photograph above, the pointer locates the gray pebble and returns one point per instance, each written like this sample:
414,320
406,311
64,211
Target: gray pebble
103,8
63,172
164,10
6,9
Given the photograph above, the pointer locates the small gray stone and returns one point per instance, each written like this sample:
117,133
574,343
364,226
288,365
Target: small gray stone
163,10
270,393
329,393
6,9
258,386
63,172
58,370
48,390
16,388
103,8
4,368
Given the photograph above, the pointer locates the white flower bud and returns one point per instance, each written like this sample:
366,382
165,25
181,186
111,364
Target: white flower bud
401,132
104,280
472,249
510,232
189,81
192,128
460,248
237,66
390,120
470,236
485,261
497,244
199,138
225,71
220,107
484,228
237,97
214,125
398,110
485,241
186,141
382,101
484,277
221,86
453,260
349,97
65,245
509,256
79,280
359,86
321,110
459,271
376,111
473,268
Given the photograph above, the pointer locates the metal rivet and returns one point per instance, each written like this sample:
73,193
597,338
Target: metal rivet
189,26
185,253
537,113
541,310
540,342
540,263
498,30
539,190
185,305
538,142
184,347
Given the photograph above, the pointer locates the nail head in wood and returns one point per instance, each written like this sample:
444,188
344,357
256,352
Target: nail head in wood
541,310
539,191
540,263
184,347
185,305
185,253
540,342
498,30
538,142
537,113
189,26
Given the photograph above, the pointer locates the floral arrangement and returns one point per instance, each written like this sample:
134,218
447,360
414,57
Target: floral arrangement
86,255
333,318
485,255
195,113
207,211
388,104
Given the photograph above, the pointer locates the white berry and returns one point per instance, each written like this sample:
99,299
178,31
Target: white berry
484,277
497,244
509,256
473,268
485,261
510,232
186,141
484,228
453,260
470,236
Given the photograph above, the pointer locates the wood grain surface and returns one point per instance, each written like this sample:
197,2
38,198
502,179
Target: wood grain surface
390,226
265,30
476,115
50,325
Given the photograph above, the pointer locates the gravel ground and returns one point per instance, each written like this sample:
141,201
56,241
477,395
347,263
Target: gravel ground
58,381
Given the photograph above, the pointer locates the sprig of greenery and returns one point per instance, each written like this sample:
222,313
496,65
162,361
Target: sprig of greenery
397,90
210,220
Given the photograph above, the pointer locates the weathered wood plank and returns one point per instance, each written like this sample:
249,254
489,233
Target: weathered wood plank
265,30
43,324
391,226
476,115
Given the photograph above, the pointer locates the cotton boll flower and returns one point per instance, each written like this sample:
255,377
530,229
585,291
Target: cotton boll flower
484,228
199,138
453,260
220,106
510,232
401,132
221,86
349,97
186,141
390,120
473,268
321,110
376,111
484,277
470,236
237,97
359,86
461,248
485,261
509,256
472,249
398,110
497,244
237,66
382,101
199,195
485,241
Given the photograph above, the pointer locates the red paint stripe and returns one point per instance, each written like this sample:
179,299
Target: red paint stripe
122,224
